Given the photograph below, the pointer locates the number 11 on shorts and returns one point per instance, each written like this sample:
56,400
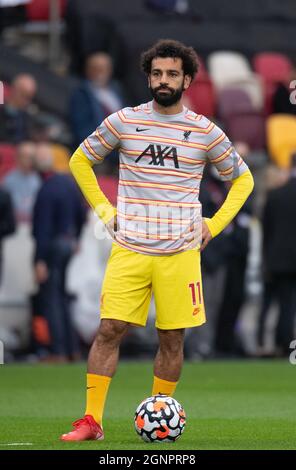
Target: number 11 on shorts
195,292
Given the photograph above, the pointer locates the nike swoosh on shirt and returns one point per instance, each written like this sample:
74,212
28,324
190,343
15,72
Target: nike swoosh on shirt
141,130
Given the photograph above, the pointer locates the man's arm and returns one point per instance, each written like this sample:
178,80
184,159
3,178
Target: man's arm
93,150
230,167
81,168
239,192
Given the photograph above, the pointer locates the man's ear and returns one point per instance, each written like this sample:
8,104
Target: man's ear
149,81
187,81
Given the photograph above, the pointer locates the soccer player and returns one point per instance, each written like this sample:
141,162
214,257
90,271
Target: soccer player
163,148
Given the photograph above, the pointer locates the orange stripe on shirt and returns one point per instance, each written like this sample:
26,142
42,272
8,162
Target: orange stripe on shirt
149,236
163,139
149,250
154,219
145,122
222,156
157,202
216,141
137,153
227,172
91,151
170,172
152,185
197,117
103,141
112,129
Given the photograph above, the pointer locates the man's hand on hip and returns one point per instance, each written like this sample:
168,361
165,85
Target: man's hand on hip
206,235
111,226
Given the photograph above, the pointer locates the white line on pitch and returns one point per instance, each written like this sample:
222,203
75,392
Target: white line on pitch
17,444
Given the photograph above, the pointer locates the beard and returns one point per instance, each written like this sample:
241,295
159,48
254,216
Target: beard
169,97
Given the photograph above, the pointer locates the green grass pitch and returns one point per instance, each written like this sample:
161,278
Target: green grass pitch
229,405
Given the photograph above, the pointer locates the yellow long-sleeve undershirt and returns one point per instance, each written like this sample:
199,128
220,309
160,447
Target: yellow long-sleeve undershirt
81,168
239,192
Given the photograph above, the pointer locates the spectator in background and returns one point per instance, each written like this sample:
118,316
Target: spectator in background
59,215
227,342
279,235
275,177
23,182
97,96
281,99
7,222
15,113
200,341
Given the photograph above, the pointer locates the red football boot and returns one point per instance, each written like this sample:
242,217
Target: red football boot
85,429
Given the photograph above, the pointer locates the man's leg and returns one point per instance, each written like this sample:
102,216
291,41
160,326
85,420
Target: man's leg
125,296
102,362
177,287
168,361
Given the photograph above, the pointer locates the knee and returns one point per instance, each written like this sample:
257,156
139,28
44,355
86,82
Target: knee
111,331
172,344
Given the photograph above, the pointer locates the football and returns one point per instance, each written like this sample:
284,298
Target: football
160,419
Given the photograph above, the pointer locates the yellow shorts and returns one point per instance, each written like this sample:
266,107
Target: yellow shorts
175,281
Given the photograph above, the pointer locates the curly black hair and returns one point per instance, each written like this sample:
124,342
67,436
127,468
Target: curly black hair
171,48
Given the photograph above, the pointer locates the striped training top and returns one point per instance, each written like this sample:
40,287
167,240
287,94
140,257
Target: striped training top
162,158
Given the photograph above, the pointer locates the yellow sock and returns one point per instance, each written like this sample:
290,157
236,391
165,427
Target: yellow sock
97,389
163,387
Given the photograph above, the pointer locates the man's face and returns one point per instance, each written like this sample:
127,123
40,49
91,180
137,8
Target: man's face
99,69
23,91
25,156
167,80
43,158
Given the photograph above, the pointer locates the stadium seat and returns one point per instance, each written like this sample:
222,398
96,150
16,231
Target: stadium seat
227,67
233,101
247,127
281,138
253,86
273,68
201,97
39,10
7,159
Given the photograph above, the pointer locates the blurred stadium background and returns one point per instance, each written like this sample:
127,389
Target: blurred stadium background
64,66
